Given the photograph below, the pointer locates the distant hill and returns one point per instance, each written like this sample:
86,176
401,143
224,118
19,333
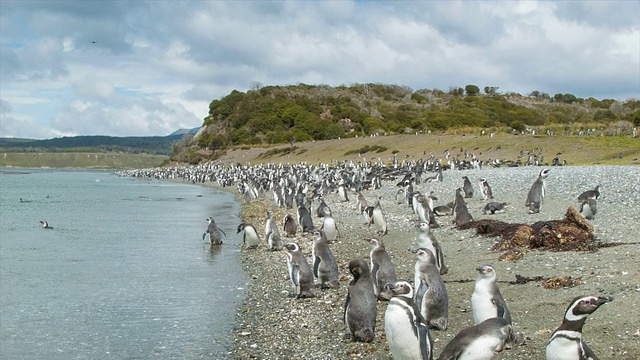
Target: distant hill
156,145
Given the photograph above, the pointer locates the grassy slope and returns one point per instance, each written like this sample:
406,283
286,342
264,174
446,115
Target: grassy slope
589,150
81,160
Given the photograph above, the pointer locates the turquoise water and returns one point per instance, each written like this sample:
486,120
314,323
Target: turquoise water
123,274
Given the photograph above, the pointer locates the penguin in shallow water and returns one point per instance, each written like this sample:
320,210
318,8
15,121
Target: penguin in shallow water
485,189
250,238
487,301
426,240
325,268
478,342
360,305
406,329
467,187
590,194
215,233
383,271
494,208
588,208
300,273
460,210
566,342
536,194
45,225
430,291
289,226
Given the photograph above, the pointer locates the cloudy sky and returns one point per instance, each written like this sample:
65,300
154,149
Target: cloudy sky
138,68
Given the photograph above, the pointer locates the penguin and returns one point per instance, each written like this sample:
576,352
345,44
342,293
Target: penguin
462,215
274,241
426,240
432,216
362,202
486,300
485,189
250,238
215,233
400,197
360,306
325,268
590,194
536,194
467,187
45,225
566,342
422,209
444,210
430,291
378,220
479,342
329,227
588,208
270,225
289,226
304,219
300,273
406,329
494,208
342,192
383,271
322,208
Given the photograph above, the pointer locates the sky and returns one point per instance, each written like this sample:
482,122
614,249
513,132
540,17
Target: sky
147,68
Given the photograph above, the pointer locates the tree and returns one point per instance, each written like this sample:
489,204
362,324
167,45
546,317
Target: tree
491,90
472,90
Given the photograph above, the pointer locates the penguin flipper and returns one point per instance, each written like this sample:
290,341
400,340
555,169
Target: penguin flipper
294,275
225,234
204,234
421,291
316,265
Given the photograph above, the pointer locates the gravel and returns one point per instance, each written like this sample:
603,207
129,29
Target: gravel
272,325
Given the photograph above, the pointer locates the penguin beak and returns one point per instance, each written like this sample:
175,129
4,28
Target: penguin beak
413,251
603,300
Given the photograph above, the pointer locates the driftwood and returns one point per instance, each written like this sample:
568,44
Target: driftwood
573,233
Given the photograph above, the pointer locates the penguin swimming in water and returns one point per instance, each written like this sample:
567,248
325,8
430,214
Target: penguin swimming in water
360,305
215,233
566,342
485,189
460,210
467,187
406,329
325,268
250,238
494,208
289,226
588,208
426,240
487,301
479,342
300,273
382,270
536,194
590,194
430,291
45,225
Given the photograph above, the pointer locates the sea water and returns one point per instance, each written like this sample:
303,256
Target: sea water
123,274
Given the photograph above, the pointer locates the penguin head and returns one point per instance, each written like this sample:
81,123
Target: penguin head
209,219
581,306
423,226
544,173
487,272
240,228
400,288
292,247
376,243
358,268
425,255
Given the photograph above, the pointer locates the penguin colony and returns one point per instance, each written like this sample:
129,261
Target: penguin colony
414,312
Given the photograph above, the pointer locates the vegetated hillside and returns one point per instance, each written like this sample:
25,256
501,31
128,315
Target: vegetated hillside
281,114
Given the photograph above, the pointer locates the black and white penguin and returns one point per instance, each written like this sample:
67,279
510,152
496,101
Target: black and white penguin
444,210
467,187
342,192
329,227
304,219
487,301
494,207
325,268
360,305
590,194
322,209
289,226
566,342
270,225
536,194
362,202
250,238
460,210
215,233
588,208
478,342
383,271
485,189
300,273
400,198
378,220
430,291
274,241
406,329
45,225
426,240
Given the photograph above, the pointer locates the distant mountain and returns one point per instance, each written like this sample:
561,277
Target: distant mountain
158,145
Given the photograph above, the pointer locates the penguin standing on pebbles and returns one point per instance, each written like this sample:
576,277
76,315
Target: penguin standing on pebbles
431,293
400,198
360,305
467,187
536,194
590,194
588,208
478,342
299,272
325,268
406,329
460,210
378,220
289,226
566,342
250,238
426,240
304,219
382,270
329,226
485,189
487,301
